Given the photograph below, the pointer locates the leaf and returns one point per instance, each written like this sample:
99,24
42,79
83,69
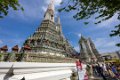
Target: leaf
22,8
86,23
118,44
5,5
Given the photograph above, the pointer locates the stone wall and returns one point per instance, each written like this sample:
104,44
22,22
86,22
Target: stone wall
32,57
36,71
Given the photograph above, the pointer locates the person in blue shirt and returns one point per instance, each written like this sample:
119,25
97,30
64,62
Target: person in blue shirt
114,70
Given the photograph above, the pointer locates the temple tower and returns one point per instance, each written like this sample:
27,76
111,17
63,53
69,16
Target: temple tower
84,55
95,51
48,38
88,52
49,14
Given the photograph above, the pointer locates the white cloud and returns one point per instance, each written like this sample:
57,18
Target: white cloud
32,9
79,35
104,24
44,8
106,44
16,41
74,33
1,41
56,2
109,23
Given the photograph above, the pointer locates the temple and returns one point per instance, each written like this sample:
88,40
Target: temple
4,49
48,39
88,51
15,49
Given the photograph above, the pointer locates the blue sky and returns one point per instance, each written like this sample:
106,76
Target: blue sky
18,25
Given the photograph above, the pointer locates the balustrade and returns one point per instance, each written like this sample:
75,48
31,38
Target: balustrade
32,57
37,71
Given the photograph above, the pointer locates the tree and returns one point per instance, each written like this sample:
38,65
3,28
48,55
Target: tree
102,9
5,5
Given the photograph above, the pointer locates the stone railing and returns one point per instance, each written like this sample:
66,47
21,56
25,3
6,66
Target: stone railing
32,57
37,71
40,71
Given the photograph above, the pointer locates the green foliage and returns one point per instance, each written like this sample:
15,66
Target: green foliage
116,32
102,10
0,54
86,23
5,5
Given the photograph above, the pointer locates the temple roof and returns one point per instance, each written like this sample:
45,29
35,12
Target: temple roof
27,47
15,47
4,48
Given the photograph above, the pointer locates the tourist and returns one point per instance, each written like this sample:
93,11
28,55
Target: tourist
100,71
95,69
105,72
111,74
108,69
114,70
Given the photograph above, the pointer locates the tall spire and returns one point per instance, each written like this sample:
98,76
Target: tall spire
82,37
49,15
51,5
58,20
59,28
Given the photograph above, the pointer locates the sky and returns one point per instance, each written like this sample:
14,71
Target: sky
17,26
